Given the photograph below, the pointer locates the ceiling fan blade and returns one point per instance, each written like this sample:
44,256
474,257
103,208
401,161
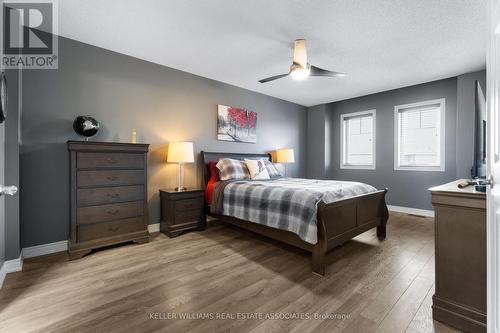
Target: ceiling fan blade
300,52
316,71
272,78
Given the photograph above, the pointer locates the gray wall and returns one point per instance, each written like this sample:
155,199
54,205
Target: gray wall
406,188
316,141
465,120
12,219
124,93
9,221
319,138
10,224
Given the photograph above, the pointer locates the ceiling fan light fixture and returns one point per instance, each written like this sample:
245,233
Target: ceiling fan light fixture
299,72
300,68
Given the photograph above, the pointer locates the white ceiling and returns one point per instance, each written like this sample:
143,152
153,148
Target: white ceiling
380,44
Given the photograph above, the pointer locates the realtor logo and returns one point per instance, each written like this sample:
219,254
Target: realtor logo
29,34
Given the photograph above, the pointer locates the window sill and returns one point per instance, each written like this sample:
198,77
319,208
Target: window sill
358,167
418,168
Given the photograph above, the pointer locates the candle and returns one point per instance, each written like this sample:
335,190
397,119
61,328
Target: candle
134,136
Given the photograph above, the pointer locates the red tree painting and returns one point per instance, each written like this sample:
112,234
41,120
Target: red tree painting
235,124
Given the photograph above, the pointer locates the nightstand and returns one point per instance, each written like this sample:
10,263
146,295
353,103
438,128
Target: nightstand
181,211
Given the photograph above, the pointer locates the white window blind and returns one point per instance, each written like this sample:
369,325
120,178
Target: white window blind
419,141
358,140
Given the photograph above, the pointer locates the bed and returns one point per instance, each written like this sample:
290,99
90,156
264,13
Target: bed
336,222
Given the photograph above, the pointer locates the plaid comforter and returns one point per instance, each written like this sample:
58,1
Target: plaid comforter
284,203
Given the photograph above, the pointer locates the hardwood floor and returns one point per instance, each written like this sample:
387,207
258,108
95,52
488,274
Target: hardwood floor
370,286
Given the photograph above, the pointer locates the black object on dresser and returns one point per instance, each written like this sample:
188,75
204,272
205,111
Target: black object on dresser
108,195
181,211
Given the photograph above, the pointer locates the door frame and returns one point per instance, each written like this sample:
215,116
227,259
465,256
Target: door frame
493,164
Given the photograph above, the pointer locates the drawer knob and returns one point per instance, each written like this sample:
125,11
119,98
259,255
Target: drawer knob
113,212
113,229
113,195
112,178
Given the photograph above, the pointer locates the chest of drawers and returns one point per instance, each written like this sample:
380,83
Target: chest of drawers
460,236
108,195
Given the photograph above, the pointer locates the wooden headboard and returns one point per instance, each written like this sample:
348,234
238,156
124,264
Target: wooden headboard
215,157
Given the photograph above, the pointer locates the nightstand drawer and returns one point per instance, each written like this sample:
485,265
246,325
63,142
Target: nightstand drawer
96,214
187,216
108,229
110,160
111,177
107,195
186,205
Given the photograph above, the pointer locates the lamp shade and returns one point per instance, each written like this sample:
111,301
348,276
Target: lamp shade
180,152
285,156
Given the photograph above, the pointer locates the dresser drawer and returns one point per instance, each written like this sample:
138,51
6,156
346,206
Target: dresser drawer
186,205
110,160
88,232
110,177
95,214
106,195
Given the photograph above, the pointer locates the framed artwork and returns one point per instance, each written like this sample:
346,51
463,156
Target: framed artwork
235,124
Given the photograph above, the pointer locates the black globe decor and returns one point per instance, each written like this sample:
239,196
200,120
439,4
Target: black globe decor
86,126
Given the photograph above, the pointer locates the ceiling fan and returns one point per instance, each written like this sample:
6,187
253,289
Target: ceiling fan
300,68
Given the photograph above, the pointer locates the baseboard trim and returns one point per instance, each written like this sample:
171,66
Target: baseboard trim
61,246
155,227
14,265
408,210
10,266
3,274
41,250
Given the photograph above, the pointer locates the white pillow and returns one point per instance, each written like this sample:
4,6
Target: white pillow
257,169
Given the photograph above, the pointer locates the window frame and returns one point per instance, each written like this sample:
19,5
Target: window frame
373,113
442,136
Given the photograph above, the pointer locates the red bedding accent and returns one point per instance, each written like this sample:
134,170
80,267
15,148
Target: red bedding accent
214,178
209,191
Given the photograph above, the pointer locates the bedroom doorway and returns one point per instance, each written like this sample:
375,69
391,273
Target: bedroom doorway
493,166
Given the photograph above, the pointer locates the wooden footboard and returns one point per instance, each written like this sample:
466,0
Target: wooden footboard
343,220
338,222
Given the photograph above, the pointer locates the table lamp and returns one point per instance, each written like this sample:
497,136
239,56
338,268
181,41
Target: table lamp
285,156
180,152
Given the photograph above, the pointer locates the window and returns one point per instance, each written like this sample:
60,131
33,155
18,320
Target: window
357,142
419,136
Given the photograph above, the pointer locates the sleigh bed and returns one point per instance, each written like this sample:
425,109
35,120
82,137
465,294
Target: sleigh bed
336,222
